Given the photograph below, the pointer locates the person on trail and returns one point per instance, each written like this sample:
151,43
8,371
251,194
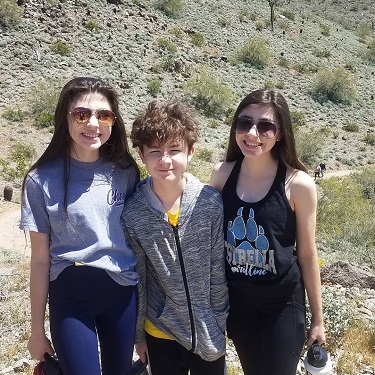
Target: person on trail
269,227
73,198
322,169
317,171
174,223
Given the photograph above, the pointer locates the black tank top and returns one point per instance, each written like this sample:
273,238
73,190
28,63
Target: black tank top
260,237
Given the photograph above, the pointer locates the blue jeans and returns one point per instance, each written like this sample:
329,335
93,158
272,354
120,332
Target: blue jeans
86,304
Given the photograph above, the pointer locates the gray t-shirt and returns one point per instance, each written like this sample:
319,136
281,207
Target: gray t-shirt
91,233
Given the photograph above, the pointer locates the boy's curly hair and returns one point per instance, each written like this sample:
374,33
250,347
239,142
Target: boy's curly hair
165,122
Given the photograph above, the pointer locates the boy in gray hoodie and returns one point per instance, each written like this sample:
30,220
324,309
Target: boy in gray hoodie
174,224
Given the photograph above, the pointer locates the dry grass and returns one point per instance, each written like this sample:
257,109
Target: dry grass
358,346
14,312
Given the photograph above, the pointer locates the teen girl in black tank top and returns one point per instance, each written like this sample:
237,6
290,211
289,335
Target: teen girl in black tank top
269,238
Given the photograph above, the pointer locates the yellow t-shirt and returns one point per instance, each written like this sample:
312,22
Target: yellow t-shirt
149,327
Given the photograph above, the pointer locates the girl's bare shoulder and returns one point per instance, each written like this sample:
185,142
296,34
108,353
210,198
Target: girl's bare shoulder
220,174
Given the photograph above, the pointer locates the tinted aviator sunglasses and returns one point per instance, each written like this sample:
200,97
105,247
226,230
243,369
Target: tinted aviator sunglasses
264,128
82,115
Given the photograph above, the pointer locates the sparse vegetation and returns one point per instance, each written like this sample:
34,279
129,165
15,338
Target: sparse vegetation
10,13
14,115
172,8
154,86
370,53
92,25
197,39
21,156
254,52
43,100
343,208
351,127
204,154
61,48
369,138
325,30
334,85
208,95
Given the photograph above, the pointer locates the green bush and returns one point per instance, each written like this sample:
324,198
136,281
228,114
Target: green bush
309,145
369,139
211,97
334,85
154,86
21,156
322,53
284,62
363,30
143,171
168,63
351,127
172,8
166,45
242,14
370,53
61,48
298,119
288,14
345,220
44,119
254,52
177,31
10,13
14,115
260,24
44,96
269,84
204,154
306,67
92,25
325,30
213,123
197,39
223,22
366,180
337,315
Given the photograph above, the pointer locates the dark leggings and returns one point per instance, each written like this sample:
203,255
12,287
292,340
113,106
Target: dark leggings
168,357
86,304
269,341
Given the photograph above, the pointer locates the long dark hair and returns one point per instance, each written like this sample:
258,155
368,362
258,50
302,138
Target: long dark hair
285,149
115,149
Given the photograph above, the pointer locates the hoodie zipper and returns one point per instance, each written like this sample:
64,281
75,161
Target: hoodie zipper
179,251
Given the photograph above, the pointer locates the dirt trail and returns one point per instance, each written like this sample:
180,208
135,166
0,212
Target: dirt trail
11,237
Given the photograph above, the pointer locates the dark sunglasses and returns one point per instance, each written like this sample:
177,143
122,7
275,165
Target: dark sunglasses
82,115
265,129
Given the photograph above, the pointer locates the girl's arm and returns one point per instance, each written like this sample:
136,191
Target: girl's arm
304,200
39,282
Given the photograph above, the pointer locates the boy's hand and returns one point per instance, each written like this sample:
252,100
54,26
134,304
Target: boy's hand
141,349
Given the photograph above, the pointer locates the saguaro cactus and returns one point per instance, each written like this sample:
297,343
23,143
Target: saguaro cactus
8,192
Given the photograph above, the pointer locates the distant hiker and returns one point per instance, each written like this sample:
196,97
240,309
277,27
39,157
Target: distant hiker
316,171
269,227
174,223
322,169
72,202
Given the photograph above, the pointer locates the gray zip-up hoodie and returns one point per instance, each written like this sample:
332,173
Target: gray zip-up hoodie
182,288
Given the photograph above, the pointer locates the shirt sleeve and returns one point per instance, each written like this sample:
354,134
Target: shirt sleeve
140,334
219,289
34,215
